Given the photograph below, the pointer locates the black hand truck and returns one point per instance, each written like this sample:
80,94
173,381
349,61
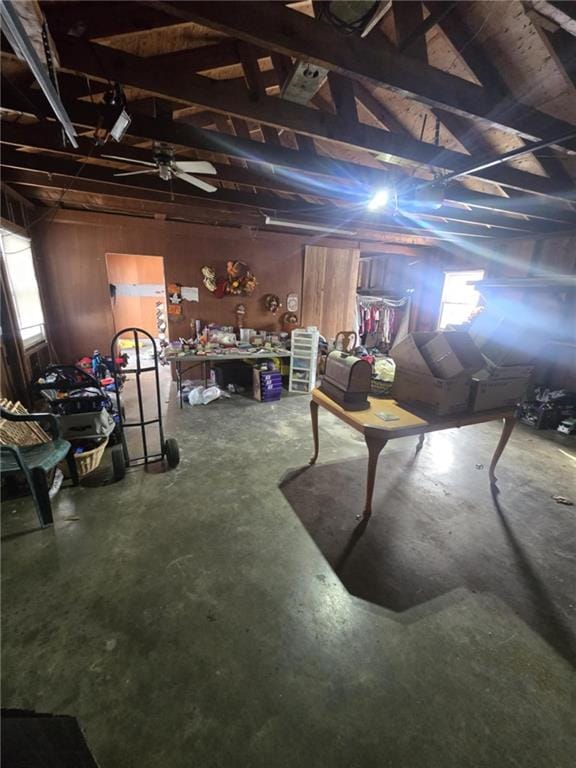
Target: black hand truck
169,450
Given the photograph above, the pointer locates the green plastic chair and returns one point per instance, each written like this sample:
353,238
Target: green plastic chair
35,461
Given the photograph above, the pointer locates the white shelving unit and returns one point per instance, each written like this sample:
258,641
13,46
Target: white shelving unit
304,359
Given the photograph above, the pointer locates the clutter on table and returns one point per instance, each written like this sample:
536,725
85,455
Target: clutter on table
222,340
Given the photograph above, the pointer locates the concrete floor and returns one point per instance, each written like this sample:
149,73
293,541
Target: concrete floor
188,618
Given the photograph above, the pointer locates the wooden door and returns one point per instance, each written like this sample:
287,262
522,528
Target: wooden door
139,285
329,292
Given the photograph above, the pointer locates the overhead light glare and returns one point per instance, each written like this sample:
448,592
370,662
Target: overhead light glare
379,200
271,221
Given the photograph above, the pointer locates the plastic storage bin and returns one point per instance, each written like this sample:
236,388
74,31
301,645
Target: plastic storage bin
304,360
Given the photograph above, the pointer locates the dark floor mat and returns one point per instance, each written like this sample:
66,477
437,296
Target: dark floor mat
431,533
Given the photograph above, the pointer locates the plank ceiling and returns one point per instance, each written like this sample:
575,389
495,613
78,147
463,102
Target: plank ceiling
434,88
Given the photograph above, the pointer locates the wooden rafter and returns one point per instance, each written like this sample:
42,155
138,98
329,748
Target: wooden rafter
410,39
28,161
299,164
96,181
279,29
88,20
470,49
224,97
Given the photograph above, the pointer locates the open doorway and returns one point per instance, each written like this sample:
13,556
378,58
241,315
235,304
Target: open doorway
138,300
137,292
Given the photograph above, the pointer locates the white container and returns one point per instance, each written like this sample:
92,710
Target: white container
303,360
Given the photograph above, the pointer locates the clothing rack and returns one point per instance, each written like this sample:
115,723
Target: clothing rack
388,301
379,316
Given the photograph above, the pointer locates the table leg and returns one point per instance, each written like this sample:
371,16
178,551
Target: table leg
179,381
509,423
420,442
375,446
314,417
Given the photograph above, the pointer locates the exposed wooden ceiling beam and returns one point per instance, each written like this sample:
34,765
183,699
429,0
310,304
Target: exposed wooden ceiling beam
221,96
90,20
342,90
296,163
408,21
378,110
149,187
230,202
561,47
255,85
562,14
464,40
53,165
409,40
285,31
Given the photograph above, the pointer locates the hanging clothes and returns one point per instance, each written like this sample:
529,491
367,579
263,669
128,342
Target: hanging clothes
379,317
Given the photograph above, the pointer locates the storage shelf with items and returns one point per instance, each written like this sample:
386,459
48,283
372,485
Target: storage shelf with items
304,360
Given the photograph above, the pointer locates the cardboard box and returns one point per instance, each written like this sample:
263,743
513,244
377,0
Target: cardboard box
504,342
407,355
439,396
496,393
452,353
491,371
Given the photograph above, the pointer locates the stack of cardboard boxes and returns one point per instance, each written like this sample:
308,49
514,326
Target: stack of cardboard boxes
509,352
450,372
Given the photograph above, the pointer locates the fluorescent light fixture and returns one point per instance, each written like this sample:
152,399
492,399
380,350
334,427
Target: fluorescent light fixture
379,199
270,220
21,43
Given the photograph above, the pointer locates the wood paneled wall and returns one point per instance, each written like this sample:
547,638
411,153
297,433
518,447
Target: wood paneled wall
329,296
71,250
72,247
515,258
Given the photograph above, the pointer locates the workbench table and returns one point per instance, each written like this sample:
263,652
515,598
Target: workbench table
191,361
377,431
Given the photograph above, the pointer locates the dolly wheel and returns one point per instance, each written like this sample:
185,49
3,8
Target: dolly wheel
118,463
172,452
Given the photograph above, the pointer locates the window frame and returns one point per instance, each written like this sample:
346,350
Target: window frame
443,303
41,337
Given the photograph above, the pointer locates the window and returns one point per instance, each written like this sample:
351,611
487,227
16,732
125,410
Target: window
23,287
459,300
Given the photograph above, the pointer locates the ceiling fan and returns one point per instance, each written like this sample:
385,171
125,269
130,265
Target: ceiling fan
167,168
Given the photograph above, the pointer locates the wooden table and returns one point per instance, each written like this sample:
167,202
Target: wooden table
191,360
377,431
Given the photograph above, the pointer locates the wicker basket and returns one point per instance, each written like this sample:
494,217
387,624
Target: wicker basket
380,388
88,461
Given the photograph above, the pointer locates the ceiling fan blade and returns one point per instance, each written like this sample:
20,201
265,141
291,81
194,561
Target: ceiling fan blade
195,166
135,173
196,182
128,160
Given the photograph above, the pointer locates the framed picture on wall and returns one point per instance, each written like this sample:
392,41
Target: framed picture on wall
292,302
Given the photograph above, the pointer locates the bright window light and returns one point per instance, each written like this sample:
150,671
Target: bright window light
24,288
379,199
459,299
